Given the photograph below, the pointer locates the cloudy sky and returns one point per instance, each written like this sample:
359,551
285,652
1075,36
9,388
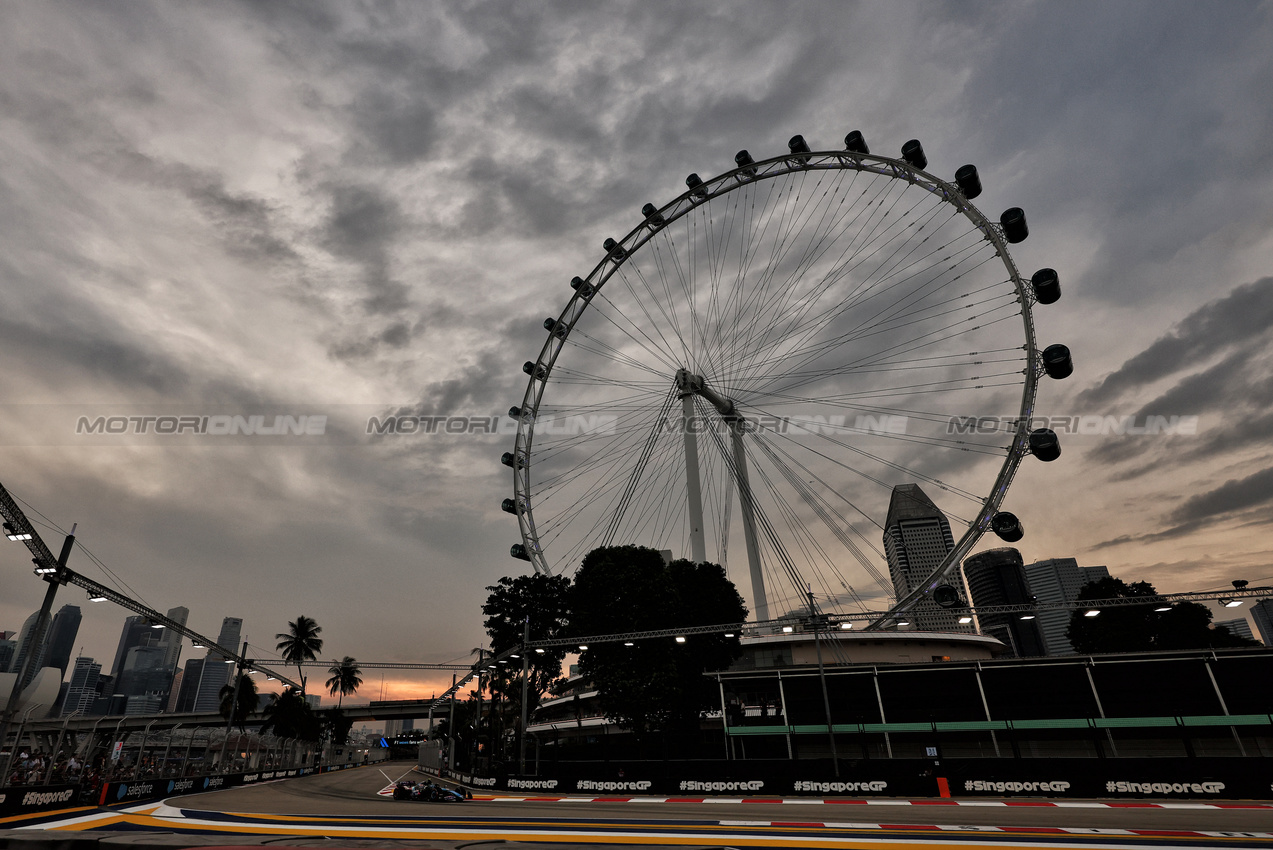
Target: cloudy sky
339,208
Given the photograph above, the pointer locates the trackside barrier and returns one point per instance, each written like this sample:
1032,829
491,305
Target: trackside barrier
141,790
1060,778
21,800
24,800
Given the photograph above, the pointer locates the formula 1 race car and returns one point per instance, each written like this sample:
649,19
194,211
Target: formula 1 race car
429,792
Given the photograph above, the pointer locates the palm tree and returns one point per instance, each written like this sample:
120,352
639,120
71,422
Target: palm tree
289,716
345,678
244,699
300,643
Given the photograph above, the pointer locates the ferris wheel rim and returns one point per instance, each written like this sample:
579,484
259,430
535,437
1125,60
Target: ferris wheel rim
724,184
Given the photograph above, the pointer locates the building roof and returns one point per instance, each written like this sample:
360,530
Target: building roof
910,502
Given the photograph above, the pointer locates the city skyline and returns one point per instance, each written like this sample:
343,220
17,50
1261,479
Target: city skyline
257,210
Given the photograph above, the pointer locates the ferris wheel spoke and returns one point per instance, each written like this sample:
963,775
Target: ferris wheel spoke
808,351
935,336
832,276
822,509
805,341
896,466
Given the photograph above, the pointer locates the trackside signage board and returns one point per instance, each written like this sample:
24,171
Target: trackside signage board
157,789
21,799
1055,778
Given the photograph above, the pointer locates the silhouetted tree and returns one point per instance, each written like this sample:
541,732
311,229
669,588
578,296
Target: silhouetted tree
289,716
657,683
336,725
244,703
545,600
300,643
1139,628
345,679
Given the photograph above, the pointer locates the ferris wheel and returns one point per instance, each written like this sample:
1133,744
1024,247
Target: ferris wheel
747,374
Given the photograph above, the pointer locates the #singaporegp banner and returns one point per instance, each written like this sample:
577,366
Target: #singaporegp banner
1196,779
1126,779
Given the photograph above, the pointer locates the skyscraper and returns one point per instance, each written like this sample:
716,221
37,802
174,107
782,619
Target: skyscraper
61,639
215,671
8,649
997,577
82,690
171,641
1262,613
137,632
144,672
174,691
1059,580
917,539
189,690
24,645
1238,626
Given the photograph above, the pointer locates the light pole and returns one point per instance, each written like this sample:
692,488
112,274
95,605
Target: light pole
234,701
521,743
816,621
450,749
53,575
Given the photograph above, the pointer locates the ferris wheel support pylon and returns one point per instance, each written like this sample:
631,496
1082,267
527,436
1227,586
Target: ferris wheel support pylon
698,541
748,502
689,386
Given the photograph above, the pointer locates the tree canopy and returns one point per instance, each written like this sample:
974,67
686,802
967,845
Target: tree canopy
345,680
244,699
656,683
300,643
542,598
289,716
1139,628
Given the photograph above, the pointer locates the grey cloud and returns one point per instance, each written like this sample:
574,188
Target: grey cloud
94,347
1245,313
1234,495
401,129
362,225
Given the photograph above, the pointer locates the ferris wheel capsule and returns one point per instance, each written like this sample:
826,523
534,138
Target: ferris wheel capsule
1007,526
1047,286
1044,445
913,152
1057,362
968,181
1014,226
